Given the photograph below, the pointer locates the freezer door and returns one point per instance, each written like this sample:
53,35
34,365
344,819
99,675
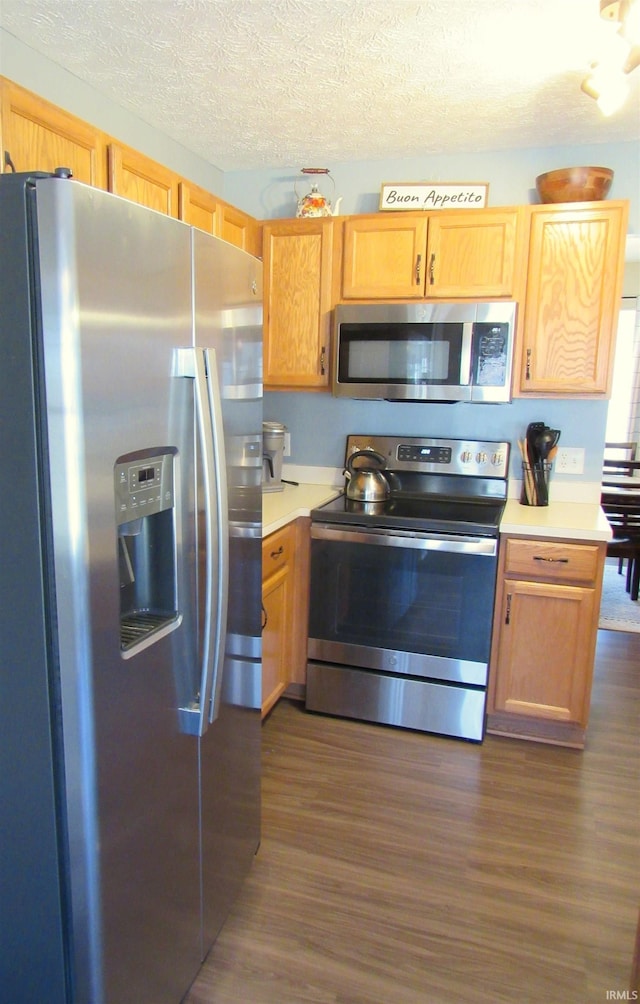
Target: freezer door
116,304
228,323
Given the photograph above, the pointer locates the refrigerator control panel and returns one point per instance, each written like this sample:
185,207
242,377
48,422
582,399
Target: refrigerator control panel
143,487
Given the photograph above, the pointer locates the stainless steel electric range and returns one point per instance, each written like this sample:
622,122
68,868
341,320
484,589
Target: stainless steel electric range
402,589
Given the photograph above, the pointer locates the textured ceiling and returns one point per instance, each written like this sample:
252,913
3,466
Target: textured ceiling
252,84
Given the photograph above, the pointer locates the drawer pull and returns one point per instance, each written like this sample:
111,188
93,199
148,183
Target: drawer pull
418,264
264,617
276,554
557,561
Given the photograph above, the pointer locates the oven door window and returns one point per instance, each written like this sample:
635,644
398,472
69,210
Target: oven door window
429,602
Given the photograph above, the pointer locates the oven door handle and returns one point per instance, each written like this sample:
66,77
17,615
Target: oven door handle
422,541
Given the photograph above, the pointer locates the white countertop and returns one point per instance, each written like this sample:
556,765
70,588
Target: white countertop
280,508
567,520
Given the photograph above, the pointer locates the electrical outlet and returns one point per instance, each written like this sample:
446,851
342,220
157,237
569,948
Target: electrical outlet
569,460
287,445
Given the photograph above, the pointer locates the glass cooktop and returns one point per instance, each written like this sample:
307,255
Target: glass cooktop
481,517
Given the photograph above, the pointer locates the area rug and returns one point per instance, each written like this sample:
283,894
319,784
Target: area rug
618,612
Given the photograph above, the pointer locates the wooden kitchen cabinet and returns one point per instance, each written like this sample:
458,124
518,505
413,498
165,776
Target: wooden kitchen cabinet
142,180
278,556
574,285
384,257
239,228
199,208
285,601
544,638
298,278
461,254
38,136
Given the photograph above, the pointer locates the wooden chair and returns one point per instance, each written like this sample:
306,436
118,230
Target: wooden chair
623,513
620,458
620,451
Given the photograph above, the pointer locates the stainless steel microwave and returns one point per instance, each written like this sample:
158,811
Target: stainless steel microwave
424,351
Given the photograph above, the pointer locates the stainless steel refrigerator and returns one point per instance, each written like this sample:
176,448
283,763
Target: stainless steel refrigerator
130,510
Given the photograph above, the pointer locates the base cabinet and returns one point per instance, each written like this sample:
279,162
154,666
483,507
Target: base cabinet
544,640
285,606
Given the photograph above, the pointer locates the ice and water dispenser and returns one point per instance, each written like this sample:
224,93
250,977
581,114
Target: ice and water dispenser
145,504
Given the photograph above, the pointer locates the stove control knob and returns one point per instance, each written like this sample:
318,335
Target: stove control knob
466,456
481,458
497,459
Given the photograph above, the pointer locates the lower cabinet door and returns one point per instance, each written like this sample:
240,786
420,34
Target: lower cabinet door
545,651
275,634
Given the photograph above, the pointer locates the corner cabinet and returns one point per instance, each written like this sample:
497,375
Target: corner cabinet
544,639
574,285
298,277
462,254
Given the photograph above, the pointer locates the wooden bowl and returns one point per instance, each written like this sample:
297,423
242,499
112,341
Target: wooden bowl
574,184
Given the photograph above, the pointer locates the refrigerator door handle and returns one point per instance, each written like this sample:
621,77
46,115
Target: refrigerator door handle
200,364
222,522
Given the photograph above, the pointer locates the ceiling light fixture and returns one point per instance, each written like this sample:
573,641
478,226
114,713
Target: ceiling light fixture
607,81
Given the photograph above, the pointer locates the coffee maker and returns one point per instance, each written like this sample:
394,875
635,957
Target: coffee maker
272,453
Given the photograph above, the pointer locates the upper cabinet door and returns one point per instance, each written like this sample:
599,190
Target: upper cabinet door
576,262
461,254
198,208
384,257
142,180
37,136
201,209
472,254
239,228
298,261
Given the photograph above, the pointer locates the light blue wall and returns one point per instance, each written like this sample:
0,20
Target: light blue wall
320,423
511,176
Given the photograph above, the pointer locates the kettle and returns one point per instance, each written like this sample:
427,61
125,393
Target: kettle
367,483
314,203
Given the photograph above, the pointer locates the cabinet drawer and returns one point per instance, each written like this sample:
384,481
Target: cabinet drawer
551,560
277,551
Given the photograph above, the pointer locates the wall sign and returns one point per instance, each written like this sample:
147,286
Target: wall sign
433,195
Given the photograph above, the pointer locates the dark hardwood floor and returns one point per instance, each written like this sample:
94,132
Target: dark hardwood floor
402,868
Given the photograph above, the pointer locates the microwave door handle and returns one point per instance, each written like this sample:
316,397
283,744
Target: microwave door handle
220,576
465,353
